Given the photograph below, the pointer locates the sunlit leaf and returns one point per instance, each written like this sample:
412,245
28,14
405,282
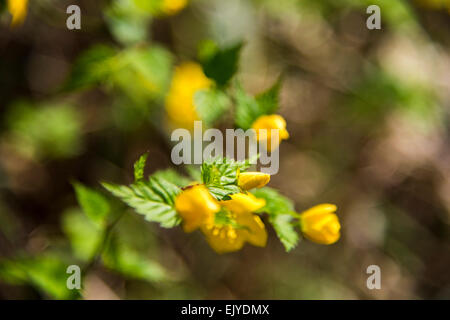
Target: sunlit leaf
139,167
154,199
93,203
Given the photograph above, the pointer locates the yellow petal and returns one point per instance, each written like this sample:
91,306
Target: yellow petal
250,180
263,127
196,207
254,230
242,203
319,209
18,10
319,224
223,239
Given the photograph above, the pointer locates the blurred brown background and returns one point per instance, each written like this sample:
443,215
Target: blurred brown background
368,116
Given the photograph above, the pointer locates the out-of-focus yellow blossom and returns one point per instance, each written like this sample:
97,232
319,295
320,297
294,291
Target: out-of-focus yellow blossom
187,79
196,207
320,224
18,10
173,6
250,228
250,180
269,122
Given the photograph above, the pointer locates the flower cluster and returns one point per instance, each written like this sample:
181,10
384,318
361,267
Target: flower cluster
228,224
189,78
226,203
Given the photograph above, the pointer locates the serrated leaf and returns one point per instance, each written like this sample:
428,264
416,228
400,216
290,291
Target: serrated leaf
139,167
275,202
154,199
222,65
282,223
280,209
220,176
173,177
211,104
93,203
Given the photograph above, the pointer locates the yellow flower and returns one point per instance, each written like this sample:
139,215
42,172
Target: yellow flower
196,206
228,238
173,6
18,10
250,180
188,78
270,122
320,224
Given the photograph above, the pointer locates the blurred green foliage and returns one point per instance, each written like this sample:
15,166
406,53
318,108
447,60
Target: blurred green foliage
339,100
47,131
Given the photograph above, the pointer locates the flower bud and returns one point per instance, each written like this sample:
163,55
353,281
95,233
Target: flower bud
320,224
269,122
250,180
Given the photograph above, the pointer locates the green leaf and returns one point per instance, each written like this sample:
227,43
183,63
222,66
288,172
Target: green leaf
127,22
282,223
122,258
194,172
154,199
139,167
173,177
280,210
93,203
84,235
47,273
249,108
222,65
94,66
220,176
45,131
275,202
211,104
144,73
269,99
